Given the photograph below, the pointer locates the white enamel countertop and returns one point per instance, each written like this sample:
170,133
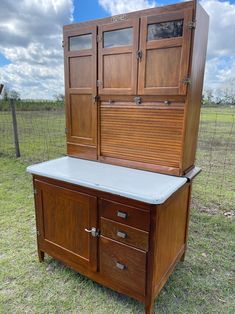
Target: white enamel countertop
145,186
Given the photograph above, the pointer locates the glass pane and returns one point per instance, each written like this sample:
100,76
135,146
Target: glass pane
80,42
165,30
120,37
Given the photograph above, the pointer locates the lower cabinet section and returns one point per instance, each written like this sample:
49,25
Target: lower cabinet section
123,265
129,246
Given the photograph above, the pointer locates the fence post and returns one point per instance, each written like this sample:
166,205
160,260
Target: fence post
15,130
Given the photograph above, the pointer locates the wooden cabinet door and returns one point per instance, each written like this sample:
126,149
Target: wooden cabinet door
62,216
80,51
118,44
165,46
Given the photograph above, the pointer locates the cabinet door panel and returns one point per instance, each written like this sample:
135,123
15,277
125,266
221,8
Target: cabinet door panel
80,84
165,45
63,216
117,57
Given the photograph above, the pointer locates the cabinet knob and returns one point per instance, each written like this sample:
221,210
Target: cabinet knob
120,266
94,232
121,234
122,214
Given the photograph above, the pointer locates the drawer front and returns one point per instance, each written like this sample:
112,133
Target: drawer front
127,215
124,234
123,265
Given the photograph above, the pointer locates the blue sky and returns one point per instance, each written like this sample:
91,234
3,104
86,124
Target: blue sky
31,57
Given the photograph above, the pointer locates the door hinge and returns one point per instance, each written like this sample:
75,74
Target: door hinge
98,38
38,233
62,44
96,98
137,100
99,83
66,130
192,24
139,55
187,80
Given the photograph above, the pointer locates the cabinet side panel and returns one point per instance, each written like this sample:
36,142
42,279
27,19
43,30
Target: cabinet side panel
195,89
170,238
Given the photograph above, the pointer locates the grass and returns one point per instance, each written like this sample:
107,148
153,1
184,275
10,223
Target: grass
202,284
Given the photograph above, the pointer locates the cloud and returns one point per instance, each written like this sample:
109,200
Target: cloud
220,65
30,38
123,6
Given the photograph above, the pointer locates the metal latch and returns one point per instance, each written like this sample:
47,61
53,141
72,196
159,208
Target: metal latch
137,100
187,80
139,55
94,232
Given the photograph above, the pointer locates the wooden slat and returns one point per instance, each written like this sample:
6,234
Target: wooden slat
142,134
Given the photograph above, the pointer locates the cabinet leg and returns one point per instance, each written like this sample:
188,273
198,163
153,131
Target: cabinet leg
41,255
149,307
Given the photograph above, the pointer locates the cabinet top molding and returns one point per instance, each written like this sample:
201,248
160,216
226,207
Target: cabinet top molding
135,14
144,186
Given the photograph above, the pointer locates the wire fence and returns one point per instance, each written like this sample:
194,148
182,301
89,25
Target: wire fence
42,137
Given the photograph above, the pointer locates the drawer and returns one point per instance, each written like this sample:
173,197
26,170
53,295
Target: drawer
124,214
123,265
124,233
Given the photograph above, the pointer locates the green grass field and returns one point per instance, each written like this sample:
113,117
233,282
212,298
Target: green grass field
204,283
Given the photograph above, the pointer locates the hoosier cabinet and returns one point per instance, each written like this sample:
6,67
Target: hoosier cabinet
116,209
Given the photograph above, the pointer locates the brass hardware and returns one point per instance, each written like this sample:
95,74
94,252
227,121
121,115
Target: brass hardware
167,102
139,55
122,214
137,100
93,231
120,266
121,234
192,24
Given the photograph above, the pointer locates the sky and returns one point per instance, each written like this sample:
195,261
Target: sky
31,56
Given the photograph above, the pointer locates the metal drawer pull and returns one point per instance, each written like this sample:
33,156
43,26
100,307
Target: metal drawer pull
121,214
121,234
120,266
94,232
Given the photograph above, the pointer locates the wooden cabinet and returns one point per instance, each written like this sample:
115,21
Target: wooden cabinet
117,46
146,69
133,247
62,217
81,91
165,46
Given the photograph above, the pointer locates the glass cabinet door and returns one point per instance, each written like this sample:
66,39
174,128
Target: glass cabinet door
118,43
80,52
165,45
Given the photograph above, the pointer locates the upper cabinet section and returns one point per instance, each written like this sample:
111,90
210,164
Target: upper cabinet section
80,60
165,50
117,65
